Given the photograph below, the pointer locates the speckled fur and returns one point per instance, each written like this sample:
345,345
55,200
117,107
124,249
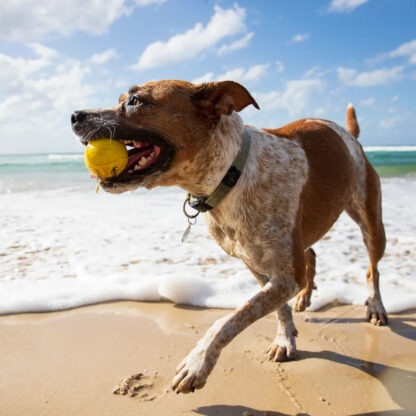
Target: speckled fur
296,182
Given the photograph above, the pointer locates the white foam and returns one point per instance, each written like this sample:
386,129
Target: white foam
65,157
389,148
66,248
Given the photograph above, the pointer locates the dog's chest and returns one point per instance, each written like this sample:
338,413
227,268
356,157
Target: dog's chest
227,236
257,218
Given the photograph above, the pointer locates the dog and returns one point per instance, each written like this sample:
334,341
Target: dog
290,186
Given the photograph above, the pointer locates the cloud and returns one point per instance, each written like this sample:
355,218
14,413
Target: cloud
208,77
279,66
27,20
143,3
38,94
390,122
251,75
301,37
238,44
314,72
340,6
369,102
371,78
245,76
103,57
295,97
185,46
406,49
15,70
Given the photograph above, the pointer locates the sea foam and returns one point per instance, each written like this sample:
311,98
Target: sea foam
65,248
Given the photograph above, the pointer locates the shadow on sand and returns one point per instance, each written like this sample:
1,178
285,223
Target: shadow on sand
397,324
400,384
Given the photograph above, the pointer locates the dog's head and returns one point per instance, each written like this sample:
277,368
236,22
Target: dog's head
166,125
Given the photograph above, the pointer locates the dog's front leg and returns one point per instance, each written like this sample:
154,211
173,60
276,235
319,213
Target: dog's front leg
193,372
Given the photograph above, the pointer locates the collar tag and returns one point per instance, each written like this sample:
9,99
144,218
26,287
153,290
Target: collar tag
192,218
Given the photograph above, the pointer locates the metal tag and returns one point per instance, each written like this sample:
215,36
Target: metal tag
186,233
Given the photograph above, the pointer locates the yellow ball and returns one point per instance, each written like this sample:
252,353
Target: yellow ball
106,158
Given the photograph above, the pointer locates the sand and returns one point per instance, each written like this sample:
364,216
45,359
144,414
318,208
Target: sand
69,363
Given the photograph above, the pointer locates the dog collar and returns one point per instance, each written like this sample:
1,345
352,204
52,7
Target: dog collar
206,203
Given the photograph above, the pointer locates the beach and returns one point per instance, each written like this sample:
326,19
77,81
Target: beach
97,287
69,363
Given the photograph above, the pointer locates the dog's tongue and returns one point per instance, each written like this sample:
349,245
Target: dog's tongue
137,156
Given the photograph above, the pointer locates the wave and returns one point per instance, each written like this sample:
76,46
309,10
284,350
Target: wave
65,157
390,148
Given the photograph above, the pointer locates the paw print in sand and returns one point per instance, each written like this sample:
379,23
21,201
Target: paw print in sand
137,385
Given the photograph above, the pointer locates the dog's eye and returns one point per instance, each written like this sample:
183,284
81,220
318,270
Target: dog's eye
134,101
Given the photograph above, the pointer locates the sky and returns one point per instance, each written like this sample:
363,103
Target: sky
298,58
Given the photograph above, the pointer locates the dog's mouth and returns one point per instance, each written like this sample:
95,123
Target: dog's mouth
149,155
142,156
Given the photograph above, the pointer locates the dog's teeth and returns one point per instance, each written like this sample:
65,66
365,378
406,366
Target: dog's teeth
136,167
142,161
130,171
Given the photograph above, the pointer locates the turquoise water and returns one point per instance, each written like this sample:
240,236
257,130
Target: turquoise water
393,163
42,171
54,171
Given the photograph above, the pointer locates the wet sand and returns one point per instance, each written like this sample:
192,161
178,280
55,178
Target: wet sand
69,363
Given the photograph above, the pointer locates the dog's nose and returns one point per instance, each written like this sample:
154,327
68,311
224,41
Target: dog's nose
78,116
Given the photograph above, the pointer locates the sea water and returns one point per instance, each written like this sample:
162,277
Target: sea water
64,246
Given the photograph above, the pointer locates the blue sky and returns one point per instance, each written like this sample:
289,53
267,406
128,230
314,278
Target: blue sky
299,58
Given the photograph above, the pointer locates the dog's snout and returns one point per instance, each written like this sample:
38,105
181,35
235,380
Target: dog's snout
77,116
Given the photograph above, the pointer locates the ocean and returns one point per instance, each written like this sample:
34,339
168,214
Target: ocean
64,246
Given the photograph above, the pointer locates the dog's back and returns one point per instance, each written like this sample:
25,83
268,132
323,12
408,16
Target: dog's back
340,177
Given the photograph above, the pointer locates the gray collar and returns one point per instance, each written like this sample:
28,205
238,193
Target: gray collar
206,203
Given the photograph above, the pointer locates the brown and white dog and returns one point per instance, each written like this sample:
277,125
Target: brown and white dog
297,181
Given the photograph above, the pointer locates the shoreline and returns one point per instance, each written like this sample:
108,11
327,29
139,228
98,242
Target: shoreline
69,362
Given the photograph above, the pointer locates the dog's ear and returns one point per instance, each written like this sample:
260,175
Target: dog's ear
224,97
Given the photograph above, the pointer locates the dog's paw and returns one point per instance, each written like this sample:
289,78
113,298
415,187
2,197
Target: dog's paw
283,348
192,372
302,301
376,314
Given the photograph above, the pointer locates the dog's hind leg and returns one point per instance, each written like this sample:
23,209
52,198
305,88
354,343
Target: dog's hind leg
303,298
366,212
283,347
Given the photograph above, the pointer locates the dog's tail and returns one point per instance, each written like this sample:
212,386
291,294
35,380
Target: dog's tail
352,123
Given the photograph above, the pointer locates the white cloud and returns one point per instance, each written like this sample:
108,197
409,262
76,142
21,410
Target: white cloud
205,78
395,98
314,72
251,75
143,3
279,66
390,122
32,19
37,96
25,20
369,102
406,49
238,44
371,78
14,70
321,111
295,98
224,23
247,76
339,6
301,37
103,57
